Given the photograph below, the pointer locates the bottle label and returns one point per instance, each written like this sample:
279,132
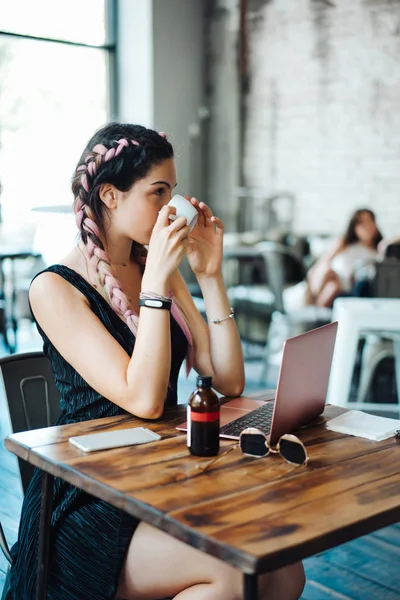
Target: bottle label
204,417
197,417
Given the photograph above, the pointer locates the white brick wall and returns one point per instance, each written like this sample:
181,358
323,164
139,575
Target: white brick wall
323,117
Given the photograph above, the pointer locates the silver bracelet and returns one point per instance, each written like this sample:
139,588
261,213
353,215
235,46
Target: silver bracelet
230,316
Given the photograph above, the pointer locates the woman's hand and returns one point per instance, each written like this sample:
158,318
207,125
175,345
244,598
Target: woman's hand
204,250
167,247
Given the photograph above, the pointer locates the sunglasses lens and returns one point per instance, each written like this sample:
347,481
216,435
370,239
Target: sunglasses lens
292,451
253,444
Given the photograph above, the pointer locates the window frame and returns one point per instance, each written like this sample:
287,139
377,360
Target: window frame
110,49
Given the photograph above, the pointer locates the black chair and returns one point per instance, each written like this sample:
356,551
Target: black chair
33,401
393,251
284,269
381,278
382,347
387,278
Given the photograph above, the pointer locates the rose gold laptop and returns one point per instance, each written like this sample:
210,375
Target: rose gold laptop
300,393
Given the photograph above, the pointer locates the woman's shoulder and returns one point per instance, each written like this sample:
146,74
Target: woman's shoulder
56,281
59,276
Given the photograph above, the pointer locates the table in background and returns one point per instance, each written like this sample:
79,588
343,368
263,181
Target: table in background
8,317
255,514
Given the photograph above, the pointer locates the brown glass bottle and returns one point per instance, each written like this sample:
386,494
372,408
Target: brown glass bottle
203,419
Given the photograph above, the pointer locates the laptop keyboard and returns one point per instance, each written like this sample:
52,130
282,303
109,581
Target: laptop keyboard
260,417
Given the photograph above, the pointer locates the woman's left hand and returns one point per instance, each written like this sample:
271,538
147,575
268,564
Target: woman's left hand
204,250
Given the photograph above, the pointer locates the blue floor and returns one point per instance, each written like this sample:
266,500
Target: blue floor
365,569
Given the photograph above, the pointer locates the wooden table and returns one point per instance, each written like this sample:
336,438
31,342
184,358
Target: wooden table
255,514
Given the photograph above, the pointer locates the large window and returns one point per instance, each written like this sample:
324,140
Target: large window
55,62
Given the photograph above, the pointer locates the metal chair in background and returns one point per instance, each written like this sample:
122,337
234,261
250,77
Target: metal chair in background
370,318
262,273
386,283
17,267
249,291
266,274
261,210
29,392
287,273
381,345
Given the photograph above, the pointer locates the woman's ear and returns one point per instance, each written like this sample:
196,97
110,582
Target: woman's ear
108,195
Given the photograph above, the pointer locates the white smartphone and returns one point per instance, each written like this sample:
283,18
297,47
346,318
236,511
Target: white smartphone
114,439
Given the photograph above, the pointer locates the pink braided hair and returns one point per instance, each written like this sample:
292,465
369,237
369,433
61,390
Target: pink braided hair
99,154
99,261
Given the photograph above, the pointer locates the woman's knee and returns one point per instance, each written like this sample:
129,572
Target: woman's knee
229,586
181,570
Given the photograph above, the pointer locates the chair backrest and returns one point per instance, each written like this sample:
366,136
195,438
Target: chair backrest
27,384
283,268
387,278
393,251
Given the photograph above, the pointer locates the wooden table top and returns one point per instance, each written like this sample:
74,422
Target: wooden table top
256,514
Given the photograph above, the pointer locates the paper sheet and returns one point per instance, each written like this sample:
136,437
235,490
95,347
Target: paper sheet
361,424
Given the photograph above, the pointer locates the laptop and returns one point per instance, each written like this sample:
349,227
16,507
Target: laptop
300,393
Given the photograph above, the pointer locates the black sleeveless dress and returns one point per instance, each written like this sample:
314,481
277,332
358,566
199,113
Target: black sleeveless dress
89,538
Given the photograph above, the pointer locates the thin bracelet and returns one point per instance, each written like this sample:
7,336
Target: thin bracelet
230,316
155,303
153,296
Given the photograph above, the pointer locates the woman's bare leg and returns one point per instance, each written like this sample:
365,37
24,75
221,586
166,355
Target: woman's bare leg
159,566
328,288
317,276
328,294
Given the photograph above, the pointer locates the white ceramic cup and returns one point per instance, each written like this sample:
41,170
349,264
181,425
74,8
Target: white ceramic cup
184,208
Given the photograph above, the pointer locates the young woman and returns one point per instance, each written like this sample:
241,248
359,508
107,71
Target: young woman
108,361
333,273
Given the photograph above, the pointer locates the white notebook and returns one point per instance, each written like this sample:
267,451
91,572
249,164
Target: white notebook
361,424
114,439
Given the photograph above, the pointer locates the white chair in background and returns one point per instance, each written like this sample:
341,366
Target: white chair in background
360,317
376,349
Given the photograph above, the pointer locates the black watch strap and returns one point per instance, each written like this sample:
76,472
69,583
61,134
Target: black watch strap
155,303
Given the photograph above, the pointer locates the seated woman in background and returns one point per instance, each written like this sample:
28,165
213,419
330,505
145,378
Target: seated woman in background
332,274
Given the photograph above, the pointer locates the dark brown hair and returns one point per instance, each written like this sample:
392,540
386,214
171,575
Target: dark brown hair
350,236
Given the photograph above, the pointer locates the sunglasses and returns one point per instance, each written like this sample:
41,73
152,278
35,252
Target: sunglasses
253,442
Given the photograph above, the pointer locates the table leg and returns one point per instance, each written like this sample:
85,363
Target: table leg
44,536
13,318
344,356
250,587
3,309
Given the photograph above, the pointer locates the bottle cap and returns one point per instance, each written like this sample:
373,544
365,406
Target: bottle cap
203,381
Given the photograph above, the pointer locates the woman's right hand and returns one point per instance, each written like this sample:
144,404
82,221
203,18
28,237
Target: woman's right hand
167,247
